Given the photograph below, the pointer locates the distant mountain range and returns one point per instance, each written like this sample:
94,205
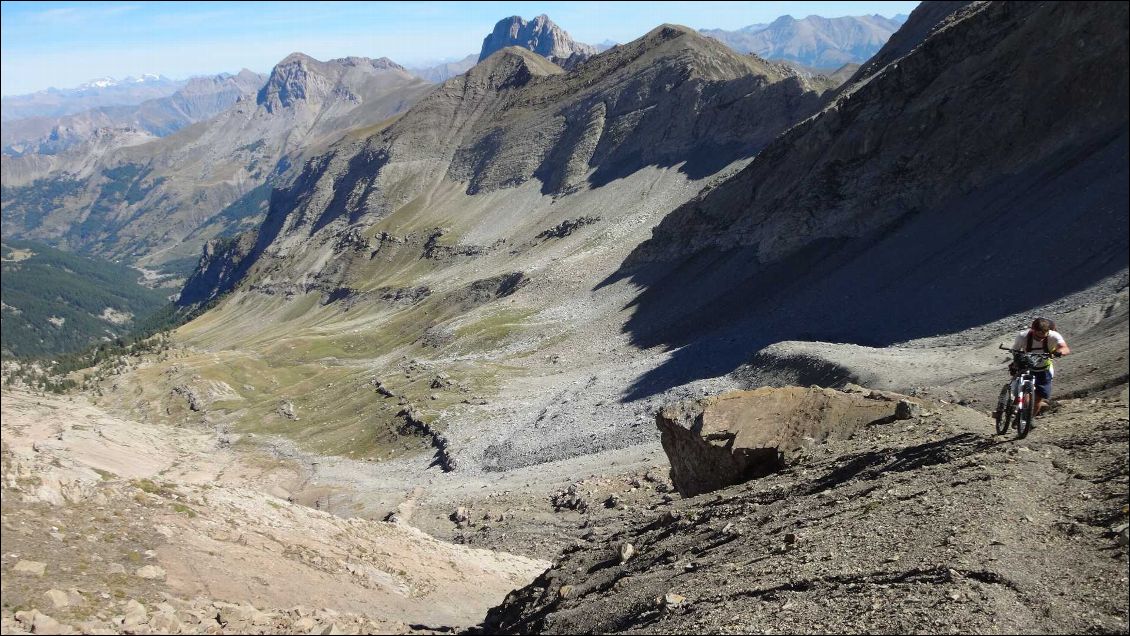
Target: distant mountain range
124,193
815,41
671,98
197,99
108,82
142,183
445,70
107,91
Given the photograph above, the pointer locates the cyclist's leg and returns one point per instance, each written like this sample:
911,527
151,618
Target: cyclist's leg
1043,391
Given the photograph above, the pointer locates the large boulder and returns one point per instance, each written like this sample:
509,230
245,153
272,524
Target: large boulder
726,439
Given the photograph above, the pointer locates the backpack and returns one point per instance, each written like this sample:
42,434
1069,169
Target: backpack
1028,347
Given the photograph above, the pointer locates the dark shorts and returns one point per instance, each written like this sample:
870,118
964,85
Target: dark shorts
1043,384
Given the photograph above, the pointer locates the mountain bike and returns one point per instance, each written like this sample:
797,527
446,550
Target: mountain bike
1018,395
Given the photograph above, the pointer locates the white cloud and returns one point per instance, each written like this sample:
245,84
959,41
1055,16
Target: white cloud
81,14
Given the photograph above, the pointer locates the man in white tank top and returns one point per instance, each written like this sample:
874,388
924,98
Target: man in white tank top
1042,336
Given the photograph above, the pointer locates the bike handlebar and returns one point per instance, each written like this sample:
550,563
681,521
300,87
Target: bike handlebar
1031,353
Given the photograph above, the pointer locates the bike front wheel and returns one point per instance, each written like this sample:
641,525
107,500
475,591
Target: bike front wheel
1024,415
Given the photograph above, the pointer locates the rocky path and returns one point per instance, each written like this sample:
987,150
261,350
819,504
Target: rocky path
932,525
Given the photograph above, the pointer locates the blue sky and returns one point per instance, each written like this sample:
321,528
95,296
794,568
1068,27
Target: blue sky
63,44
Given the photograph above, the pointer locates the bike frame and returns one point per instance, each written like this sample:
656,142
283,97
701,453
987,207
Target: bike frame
1023,385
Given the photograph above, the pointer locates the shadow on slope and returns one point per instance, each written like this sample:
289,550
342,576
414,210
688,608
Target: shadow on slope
697,163
701,127
1019,243
872,464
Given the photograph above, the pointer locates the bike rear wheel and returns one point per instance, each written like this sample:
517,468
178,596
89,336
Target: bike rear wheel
1024,414
1003,414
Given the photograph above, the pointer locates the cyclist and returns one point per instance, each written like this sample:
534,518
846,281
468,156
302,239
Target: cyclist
1041,336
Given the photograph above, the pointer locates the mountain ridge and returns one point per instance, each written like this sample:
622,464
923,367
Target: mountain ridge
531,94
59,102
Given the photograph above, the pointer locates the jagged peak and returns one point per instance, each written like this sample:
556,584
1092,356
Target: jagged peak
290,81
299,76
352,60
543,19
540,35
301,59
684,36
203,82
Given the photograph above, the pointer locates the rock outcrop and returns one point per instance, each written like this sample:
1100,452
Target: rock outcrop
300,77
730,438
221,259
539,35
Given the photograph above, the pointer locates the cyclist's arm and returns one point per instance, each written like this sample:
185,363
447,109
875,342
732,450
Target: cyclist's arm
1061,347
